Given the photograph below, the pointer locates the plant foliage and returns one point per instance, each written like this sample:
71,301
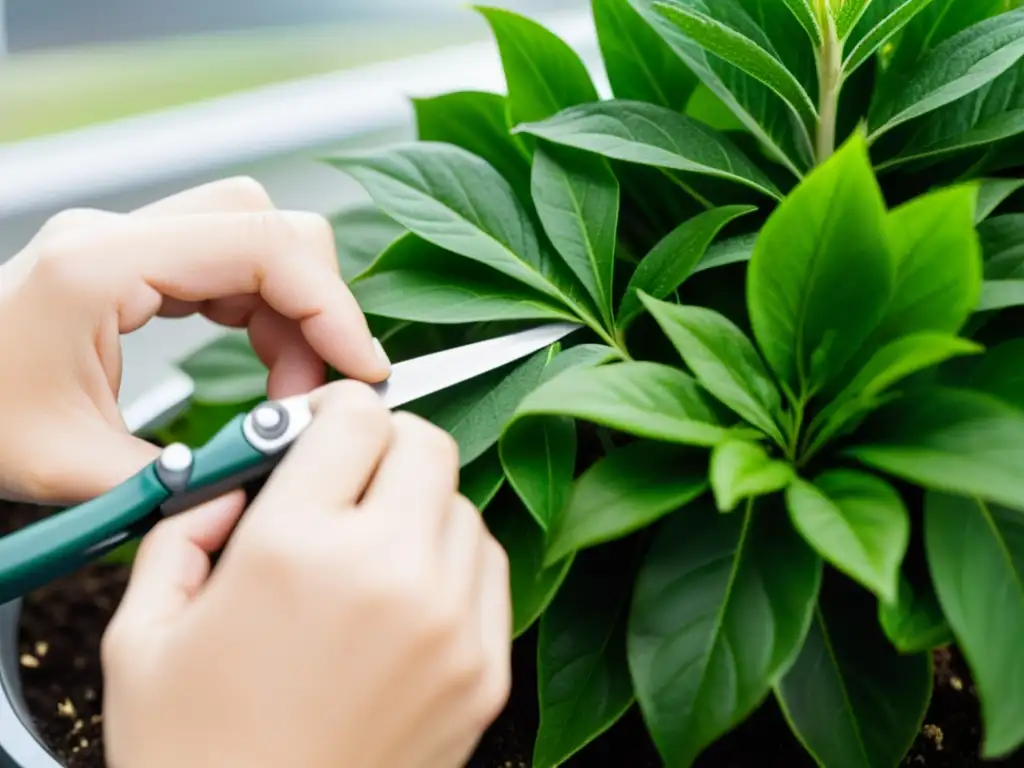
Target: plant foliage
785,455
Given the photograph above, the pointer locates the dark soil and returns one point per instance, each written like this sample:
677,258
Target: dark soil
62,626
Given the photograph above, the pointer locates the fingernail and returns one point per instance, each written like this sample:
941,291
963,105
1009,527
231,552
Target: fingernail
381,354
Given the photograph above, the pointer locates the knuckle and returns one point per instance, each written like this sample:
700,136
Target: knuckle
351,398
318,233
429,439
246,192
71,219
494,692
61,264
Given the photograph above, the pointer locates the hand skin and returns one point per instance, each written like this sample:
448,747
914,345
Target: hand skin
358,618
360,615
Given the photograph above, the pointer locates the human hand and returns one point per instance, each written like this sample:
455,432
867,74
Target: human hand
89,276
359,616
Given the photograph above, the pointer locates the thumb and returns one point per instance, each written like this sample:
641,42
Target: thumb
173,561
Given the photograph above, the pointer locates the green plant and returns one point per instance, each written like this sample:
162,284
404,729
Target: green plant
786,454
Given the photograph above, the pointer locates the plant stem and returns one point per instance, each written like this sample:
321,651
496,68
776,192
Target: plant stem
830,84
793,449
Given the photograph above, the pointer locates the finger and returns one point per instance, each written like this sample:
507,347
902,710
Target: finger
419,476
287,258
238,194
331,464
495,618
173,561
462,552
295,367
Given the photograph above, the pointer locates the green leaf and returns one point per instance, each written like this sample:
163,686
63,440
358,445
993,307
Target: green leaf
1001,372
643,399
852,700
577,199
742,470
582,673
768,118
226,371
949,440
646,134
434,190
580,356
698,668
417,281
481,480
804,13
880,33
1002,239
479,123
544,75
953,69
850,18
1001,294
674,258
856,522
735,250
361,234
724,361
625,492
533,586
891,364
746,54
539,456
808,316
915,622
640,65
976,556
933,26
992,193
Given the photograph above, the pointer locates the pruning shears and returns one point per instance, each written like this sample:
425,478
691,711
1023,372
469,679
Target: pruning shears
246,449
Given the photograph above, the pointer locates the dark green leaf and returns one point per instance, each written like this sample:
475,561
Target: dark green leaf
583,675
953,69
481,480
742,470
674,258
915,622
950,440
724,361
1001,372
647,134
640,65
976,556
698,668
992,193
226,371
533,586
732,251
1002,240
808,316
361,234
1001,294
742,44
539,456
643,399
850,697
856,522
577,199
544,75
933,26
900,13
808,18
479,123
627,491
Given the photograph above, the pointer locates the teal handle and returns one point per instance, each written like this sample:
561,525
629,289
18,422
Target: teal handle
58,545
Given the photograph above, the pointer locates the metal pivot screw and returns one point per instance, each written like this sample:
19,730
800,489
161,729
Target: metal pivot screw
174,467
270,421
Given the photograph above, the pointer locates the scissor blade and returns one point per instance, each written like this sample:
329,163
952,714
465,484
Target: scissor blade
422,376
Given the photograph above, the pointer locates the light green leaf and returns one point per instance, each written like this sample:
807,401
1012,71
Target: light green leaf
856,522
580,356
976,557
805,14
434,190
852,700
1001,294
882,31
849,16
544,75
808,316
950,440
915,622
953,69
643,399
481,480
533,586
674,258
732,251
479,123
933,26
577,199
226,371
582,673
361,234
539,456
625,492
640,65
744,53
724,361
742,470
994,192
698,670
1001,372
646,134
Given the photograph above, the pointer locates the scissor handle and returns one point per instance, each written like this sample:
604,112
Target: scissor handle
246,448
